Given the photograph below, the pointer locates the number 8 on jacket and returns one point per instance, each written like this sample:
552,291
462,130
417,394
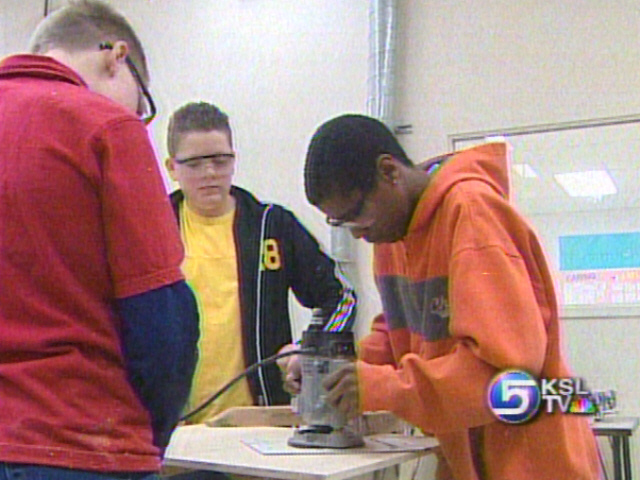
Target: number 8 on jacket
271,258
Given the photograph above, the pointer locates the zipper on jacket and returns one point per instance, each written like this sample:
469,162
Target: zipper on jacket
263,399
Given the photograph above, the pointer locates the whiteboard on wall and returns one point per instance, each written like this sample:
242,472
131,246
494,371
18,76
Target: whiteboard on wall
592,241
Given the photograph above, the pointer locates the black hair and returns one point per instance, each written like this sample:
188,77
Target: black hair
342,156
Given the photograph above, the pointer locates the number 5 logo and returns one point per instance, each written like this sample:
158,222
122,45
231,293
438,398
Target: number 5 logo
514,396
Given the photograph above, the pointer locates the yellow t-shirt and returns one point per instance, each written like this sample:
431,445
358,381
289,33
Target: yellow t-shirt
211,271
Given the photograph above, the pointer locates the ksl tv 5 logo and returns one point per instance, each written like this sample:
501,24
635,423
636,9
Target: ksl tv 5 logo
515,396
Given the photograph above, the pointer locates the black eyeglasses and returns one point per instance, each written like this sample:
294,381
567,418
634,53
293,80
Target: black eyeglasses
147,111
350,216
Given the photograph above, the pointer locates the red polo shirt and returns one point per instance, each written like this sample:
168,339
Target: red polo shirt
84,219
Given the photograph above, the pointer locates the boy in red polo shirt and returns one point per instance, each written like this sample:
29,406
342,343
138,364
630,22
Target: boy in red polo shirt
99,329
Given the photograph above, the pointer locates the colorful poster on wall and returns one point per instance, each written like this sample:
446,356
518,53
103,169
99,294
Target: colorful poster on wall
600,269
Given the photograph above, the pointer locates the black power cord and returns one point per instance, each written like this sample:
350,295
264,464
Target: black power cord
246,372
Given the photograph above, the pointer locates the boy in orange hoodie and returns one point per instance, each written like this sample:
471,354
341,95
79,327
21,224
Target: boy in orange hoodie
466,294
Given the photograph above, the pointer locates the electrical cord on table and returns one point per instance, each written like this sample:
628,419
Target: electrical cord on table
244,373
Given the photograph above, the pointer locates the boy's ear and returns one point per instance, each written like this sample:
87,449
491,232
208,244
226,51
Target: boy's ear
171,168
387,169
116,57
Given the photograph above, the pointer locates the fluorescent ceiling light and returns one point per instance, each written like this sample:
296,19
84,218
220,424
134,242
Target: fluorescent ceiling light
592,183
524,170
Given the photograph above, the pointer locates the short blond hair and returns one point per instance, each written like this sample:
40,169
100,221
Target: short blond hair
85,24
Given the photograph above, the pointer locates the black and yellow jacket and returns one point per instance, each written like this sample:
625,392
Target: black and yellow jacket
276,253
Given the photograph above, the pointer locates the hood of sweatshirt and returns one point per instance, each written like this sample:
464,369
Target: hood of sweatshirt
487,163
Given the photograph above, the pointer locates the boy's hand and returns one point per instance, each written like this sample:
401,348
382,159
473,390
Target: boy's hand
342,386
291,369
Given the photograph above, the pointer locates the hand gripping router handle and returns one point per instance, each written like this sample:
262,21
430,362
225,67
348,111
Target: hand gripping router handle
324,425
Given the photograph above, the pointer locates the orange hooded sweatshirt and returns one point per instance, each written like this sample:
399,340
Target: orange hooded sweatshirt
466,294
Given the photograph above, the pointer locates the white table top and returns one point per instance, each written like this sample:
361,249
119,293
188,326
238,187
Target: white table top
614,425
200,447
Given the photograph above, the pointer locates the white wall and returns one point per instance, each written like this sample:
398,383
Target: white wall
18,18
468,66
